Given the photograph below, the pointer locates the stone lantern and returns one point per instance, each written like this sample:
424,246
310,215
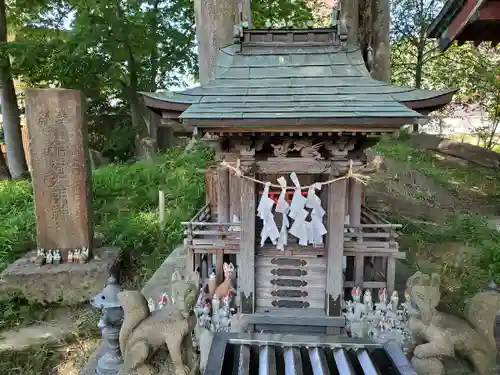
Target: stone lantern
110,323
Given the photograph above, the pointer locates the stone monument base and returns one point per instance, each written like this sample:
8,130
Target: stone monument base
68,283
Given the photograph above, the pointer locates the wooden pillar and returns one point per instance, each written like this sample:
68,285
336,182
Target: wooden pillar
211,190
234,197
246,256
355,192
335,246
391,274
222,195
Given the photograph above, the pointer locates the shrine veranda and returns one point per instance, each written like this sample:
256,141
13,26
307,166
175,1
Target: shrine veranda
299,105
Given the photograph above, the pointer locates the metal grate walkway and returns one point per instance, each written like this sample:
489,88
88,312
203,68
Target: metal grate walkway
272,354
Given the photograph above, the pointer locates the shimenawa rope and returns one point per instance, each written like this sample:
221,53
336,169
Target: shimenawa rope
363,179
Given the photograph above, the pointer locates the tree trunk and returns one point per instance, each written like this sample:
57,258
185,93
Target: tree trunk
419,68
16,158
368,25
135,109
4,170
350,9
381,46
244,9
215,20
154,58
473,154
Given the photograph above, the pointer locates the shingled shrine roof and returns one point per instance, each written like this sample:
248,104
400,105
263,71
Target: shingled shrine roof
294,78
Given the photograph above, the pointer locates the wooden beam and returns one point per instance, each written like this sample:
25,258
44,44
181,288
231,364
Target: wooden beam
462,19
287,126
246,257
289,165
490,11
301,165
335,246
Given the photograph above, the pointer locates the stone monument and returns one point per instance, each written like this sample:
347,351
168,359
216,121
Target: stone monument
61,170
67,265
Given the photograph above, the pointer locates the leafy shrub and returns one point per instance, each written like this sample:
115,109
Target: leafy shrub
125,203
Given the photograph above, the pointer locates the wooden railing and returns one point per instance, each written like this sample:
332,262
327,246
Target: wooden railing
371,235
204,236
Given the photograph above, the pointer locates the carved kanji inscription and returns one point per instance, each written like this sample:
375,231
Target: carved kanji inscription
60,168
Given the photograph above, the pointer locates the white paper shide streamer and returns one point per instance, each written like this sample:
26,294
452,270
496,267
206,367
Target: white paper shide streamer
298,213
317,229
283,208
308,232
265,212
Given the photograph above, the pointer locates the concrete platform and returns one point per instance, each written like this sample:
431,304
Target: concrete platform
67,283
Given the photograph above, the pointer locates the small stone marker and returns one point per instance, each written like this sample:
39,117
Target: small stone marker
61,172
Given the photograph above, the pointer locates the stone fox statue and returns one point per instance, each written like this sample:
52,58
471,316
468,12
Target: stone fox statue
444,335
143,333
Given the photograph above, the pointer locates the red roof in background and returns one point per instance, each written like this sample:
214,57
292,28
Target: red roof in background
467,20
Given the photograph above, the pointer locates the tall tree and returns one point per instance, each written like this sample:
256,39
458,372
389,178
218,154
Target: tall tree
110,51
215,21
368,25
410,22
16,158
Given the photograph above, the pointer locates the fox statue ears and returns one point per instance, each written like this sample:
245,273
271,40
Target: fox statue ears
176,276
192,277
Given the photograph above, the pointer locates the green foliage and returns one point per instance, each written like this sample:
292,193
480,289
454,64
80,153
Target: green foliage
110,52
279,12
125,202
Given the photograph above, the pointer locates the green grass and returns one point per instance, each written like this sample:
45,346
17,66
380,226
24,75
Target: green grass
427,244
125,203
463,273
464,182
29,362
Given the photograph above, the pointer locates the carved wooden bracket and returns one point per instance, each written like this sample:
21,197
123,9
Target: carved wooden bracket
281,150
341,148
308,149
244,146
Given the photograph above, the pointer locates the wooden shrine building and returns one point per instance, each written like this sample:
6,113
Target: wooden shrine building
283,102
467,21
